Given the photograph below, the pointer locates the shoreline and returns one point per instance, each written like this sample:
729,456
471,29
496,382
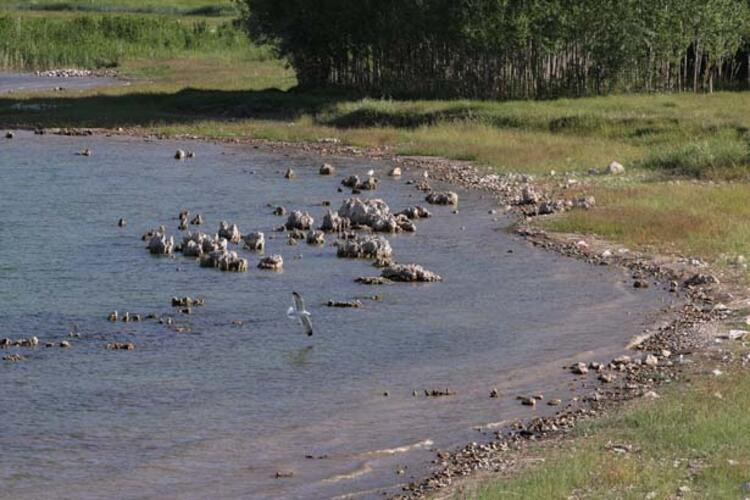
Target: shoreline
685,334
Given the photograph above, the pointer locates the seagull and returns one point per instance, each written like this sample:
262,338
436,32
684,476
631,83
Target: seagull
370,173
297,311
425,174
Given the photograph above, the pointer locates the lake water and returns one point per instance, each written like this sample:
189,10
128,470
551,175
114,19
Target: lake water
25,82
217,411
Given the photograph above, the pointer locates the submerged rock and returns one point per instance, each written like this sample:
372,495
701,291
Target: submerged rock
365,247
300,220
344,304
187,302
120,346
14,358
255,241
409,273
272,263
373,280
280,211
442,198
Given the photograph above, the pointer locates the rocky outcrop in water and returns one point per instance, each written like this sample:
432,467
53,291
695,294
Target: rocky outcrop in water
25,342
187,302
415,212
198,244
374,214
327,169
230,232
351,182
271,263
120,346
333,222
255,241
300,220
373,280
409,273
224,261
365,247
159,244
279,211
316,238
442,198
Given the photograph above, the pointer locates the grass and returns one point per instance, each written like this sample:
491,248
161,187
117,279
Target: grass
695,436
105,41
162,7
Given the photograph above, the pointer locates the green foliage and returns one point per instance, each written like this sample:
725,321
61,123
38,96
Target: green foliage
88,41
715,158
504,48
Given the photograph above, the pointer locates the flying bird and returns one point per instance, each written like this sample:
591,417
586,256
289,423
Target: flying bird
297,311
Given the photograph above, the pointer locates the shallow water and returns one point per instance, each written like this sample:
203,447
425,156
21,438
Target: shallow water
217,411
26,82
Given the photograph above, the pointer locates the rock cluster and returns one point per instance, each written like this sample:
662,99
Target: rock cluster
224,260
299,220
229,232
374,214
409,273
364,247
442,198
271,263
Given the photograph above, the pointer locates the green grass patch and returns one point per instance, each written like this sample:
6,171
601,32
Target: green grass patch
93,41
718,157
220,8
694,436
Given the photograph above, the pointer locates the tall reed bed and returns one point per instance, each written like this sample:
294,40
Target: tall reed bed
91,41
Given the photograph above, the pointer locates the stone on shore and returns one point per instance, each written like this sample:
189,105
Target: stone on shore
615,168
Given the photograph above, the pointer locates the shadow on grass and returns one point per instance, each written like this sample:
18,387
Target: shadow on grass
148,108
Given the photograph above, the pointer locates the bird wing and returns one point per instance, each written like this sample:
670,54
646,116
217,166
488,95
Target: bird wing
306,324
290,312
299,302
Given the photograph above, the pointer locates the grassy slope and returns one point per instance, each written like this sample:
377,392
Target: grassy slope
695,436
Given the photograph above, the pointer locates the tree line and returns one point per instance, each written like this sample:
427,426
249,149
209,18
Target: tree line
508,49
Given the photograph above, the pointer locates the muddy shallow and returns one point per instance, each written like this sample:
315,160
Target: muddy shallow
219,410
26,82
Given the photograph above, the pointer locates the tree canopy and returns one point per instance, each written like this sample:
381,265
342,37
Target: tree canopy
508,49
